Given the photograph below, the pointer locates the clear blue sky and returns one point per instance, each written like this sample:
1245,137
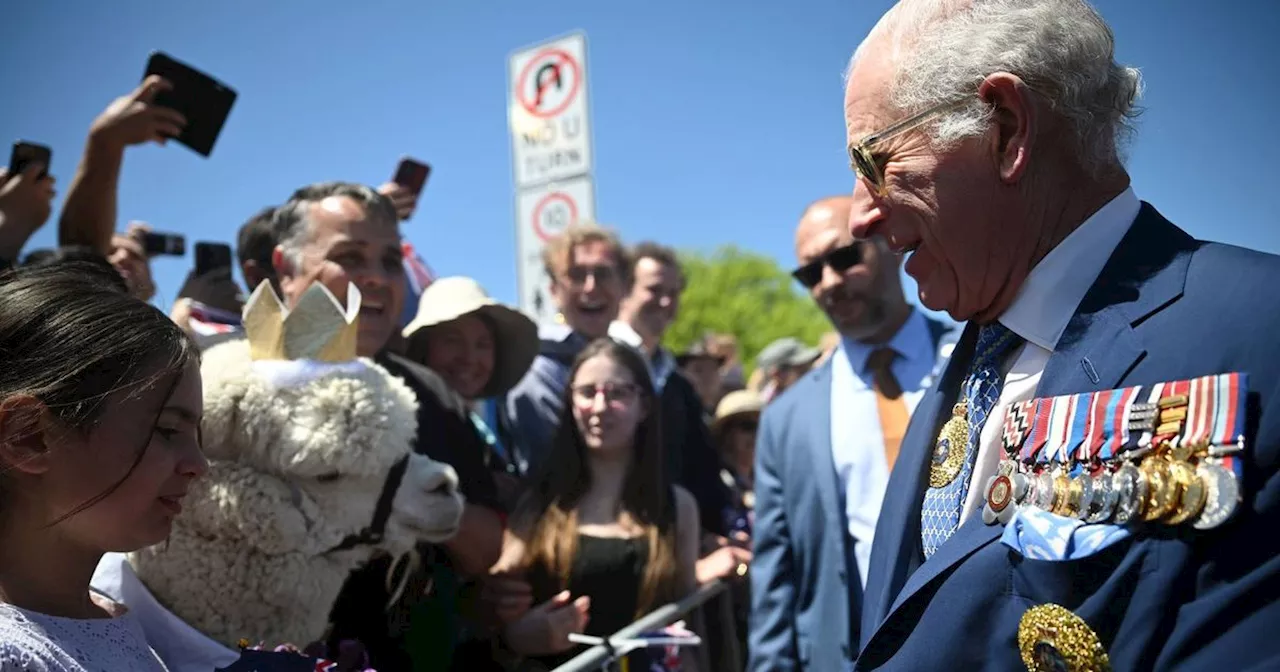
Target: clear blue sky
714,121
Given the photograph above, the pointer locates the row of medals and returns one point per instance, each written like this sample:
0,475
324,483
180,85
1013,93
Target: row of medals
1164,483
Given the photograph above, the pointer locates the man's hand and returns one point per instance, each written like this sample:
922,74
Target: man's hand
134,118
404,200
545,629
25,199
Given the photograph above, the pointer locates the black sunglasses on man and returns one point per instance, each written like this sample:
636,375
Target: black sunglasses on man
839,260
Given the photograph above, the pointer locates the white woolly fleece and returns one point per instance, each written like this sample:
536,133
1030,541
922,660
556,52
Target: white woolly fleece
294,470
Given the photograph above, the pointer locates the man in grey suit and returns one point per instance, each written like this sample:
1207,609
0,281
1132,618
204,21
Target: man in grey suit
826,446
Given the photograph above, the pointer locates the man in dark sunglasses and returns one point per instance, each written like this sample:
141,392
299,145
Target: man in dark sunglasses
828,445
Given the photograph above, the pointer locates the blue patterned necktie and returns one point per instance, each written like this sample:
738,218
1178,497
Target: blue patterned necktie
940,515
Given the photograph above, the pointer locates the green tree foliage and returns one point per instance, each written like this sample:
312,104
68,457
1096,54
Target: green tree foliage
746,294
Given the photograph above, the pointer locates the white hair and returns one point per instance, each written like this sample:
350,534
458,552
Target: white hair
941,50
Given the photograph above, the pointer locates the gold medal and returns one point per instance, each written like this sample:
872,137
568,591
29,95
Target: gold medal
1061,495
1191,492
1162,495
948,453
1052,639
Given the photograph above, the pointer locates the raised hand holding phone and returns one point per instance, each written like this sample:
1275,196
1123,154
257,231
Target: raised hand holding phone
406,186
26,196
135,118
201,100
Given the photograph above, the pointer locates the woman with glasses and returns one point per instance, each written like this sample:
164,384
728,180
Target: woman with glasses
601,536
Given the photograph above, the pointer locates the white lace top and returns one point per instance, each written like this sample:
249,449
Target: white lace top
35,642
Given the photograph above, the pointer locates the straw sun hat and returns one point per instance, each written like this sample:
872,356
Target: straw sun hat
515,337
736,405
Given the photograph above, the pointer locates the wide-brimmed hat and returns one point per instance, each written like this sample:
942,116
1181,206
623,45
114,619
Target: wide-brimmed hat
735,405
515,336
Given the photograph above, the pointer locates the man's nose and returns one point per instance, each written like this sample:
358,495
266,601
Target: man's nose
589,282
867,211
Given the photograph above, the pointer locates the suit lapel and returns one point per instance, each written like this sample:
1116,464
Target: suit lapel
1146,272
898,529
819,443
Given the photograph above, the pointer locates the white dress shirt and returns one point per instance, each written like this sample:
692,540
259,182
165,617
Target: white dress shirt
857,443
1040,313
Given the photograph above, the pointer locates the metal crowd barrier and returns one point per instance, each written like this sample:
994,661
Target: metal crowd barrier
593,658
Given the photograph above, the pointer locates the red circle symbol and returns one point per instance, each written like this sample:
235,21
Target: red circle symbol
553,213
532,83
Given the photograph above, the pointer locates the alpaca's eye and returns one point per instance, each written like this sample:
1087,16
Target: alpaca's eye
329,478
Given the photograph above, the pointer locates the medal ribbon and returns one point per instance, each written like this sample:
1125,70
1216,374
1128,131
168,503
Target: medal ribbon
1177,388
1059,429
1152,396
1039,431
1081,416
1116,428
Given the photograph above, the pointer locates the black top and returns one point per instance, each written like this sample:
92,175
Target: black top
691,458
447,434
609,571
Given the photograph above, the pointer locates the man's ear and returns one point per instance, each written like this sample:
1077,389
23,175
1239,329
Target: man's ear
1013,112
25,424
280,262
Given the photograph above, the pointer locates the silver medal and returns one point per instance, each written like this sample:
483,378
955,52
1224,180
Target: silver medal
1222,495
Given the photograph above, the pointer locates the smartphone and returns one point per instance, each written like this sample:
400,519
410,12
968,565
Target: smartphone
412,175
203,100
156,243
26,153
212,257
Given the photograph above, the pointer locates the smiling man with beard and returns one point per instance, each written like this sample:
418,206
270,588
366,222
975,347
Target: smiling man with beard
825,448
590,272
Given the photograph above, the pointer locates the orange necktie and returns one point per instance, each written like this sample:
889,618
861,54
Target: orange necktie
889,402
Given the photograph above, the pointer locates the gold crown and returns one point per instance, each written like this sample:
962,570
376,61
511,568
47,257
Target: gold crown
316,329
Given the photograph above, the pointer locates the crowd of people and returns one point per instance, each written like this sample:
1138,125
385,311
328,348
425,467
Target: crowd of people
1082,476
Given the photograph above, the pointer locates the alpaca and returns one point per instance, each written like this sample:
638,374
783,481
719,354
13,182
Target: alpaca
301,453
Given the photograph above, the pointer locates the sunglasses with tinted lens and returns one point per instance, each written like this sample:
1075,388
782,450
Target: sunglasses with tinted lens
744,425
839,259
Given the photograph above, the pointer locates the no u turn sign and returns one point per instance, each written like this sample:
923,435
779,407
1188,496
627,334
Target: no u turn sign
547,103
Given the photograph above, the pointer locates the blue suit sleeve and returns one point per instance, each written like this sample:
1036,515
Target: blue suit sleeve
771,634
534,405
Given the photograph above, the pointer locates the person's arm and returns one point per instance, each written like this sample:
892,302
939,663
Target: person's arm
89,212
25,202
771,637
534,406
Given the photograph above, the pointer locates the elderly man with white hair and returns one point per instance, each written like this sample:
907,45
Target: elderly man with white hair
1092,483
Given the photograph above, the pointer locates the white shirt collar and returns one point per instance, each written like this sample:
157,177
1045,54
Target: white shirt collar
1054,288
911,340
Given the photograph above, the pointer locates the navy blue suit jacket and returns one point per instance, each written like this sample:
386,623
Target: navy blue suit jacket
806,595
1166,307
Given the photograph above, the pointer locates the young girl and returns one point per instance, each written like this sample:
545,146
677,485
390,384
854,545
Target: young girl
601,536
100,405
